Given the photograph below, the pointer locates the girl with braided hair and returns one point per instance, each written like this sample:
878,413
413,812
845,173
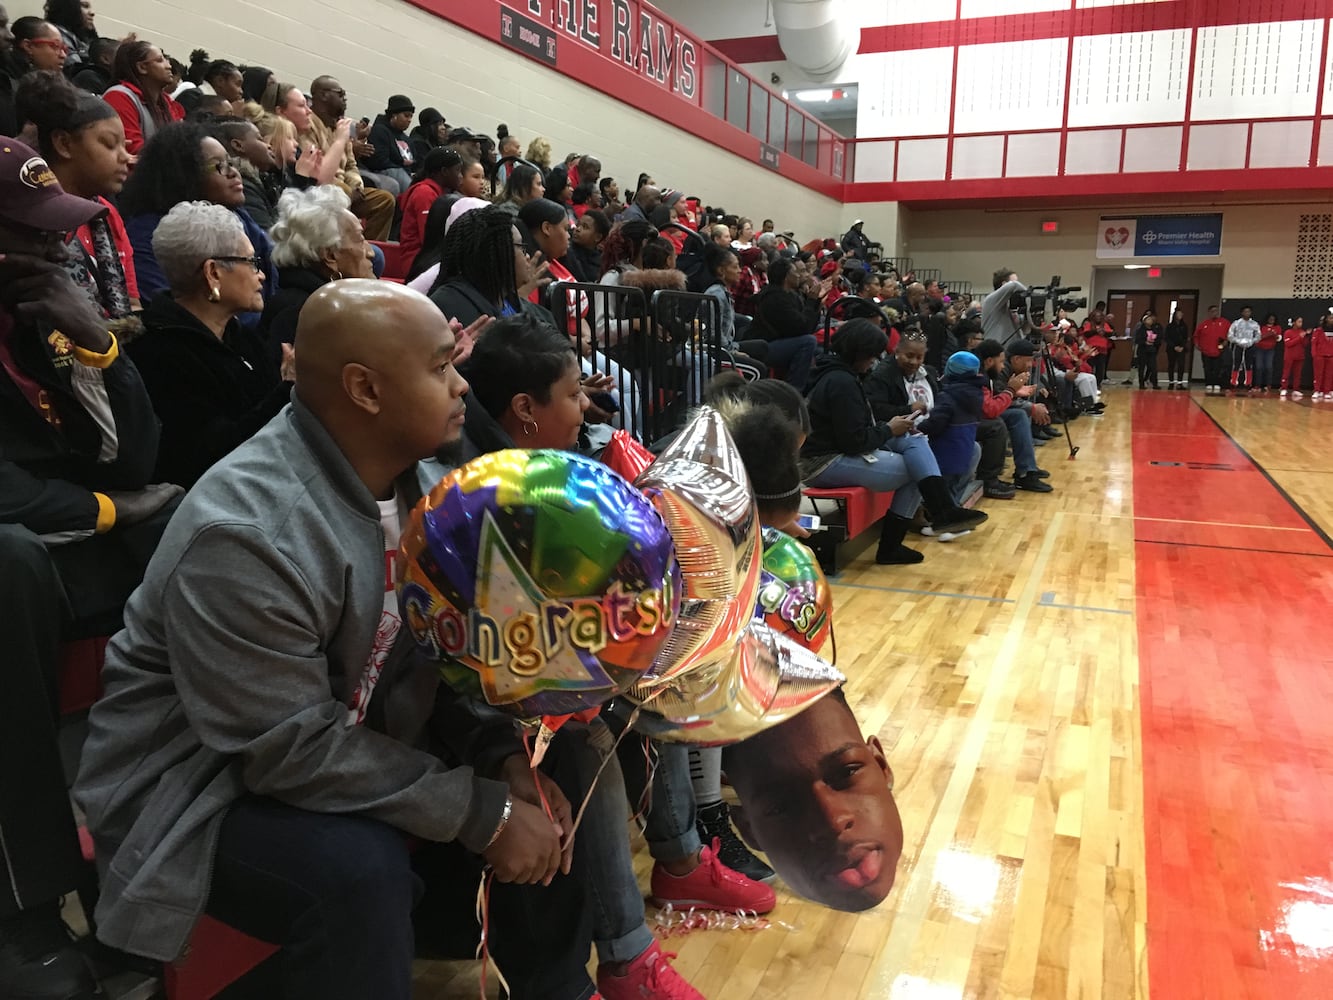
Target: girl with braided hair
484,270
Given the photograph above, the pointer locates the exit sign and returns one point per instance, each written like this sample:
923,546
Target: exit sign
1050,228
1154,272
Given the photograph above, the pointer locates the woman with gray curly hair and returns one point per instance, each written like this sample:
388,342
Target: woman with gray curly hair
211,380
317,240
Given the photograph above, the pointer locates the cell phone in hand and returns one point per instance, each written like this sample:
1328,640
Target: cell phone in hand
604,401
810,522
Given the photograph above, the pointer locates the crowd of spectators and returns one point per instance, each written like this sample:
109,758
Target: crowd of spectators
191,302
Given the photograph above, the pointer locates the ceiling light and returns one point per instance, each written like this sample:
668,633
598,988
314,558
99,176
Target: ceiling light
811,96
1136,267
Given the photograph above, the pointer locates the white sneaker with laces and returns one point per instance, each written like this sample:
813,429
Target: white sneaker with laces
1297,394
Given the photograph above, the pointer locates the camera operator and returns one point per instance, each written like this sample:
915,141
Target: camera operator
1002,310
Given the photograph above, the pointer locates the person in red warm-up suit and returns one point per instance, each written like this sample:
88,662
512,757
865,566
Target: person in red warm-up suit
1293,357
1210,338
1321,352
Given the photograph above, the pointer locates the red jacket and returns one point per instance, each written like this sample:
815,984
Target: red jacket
1211,335
1268,337
993,404
1321,342
129,113
416,204
1293,339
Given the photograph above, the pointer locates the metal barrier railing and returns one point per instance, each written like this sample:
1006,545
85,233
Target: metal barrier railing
661,351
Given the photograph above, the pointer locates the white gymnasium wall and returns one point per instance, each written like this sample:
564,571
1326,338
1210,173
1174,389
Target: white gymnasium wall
1259,244
381,47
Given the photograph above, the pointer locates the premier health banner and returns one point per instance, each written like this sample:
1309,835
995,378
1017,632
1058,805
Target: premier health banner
1160,236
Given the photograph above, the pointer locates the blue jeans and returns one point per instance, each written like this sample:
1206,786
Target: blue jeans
794,356
1263,369
619,931
958,484
898,466
601,844
1020,438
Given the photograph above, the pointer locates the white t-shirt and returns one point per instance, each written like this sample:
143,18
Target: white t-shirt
392,519
919,391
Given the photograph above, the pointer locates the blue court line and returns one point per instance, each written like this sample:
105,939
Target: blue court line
1047,599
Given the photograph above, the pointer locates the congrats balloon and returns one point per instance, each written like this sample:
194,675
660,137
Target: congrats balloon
766,679
700,487
543,582
794,596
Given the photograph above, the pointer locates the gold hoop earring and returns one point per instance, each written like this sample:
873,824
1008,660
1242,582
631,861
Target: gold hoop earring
337,275
214,294
530,433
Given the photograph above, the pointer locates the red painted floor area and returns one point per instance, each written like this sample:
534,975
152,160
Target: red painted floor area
1236,670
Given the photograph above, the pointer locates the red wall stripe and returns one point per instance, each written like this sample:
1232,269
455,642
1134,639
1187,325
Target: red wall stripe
1050,24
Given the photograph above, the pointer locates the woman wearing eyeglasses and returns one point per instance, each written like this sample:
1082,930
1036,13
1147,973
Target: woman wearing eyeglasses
212,382
184,163
35,45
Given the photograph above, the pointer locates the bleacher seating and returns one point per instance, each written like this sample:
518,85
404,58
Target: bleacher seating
848,512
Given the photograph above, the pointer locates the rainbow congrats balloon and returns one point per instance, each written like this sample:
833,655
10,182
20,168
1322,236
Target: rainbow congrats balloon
543,582
794,598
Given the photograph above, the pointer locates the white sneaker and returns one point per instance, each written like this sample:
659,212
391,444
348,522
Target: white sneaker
1282,392
1317,396
1296,394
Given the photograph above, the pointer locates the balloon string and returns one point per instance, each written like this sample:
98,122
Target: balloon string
606,759
484,919
541,792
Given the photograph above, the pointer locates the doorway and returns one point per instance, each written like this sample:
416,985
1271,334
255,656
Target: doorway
1125,308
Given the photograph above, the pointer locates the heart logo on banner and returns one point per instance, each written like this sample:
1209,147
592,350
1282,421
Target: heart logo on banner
1117,237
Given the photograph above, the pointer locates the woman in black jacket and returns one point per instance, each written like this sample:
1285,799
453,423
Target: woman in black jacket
787,320
1177,351
212,383
847,446
1147,342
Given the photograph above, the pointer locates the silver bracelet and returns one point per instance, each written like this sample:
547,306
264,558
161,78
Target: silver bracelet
504,821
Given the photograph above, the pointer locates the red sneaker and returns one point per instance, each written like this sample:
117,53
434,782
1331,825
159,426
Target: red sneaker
649,975
711,886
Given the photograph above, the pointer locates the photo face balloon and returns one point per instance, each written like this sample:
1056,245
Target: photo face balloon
543,582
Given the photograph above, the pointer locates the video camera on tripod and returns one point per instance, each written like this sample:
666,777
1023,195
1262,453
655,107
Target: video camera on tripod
1032,304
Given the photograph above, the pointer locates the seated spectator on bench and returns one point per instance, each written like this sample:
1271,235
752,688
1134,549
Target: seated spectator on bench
525,183
259,91
183,163
393,157
328,105
317,240
97,73
585,251
141,93
77,26
83,141
484,270
216,78
431,132
79,519
999,397
749,357
847,446
231,767
443,214
213,383
441,173
904,386
786,319
262,177
1031,398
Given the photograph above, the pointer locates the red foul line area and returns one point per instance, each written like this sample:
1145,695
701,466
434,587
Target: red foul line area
1236,694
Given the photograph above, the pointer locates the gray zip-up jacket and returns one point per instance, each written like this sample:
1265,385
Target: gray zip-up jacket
1244,333
997,319
240,652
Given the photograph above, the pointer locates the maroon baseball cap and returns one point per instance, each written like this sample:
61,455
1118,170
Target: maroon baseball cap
31,196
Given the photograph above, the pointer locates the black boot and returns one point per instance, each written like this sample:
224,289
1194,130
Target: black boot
714,823
945,515
892,551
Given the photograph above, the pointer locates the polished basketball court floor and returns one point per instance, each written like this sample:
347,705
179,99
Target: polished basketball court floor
1110,717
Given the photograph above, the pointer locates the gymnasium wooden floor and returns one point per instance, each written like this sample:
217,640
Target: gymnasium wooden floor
1159,624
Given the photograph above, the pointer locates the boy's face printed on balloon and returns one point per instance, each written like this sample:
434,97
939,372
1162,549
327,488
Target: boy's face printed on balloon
817,800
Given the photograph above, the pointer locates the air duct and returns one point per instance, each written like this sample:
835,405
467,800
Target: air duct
815,35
